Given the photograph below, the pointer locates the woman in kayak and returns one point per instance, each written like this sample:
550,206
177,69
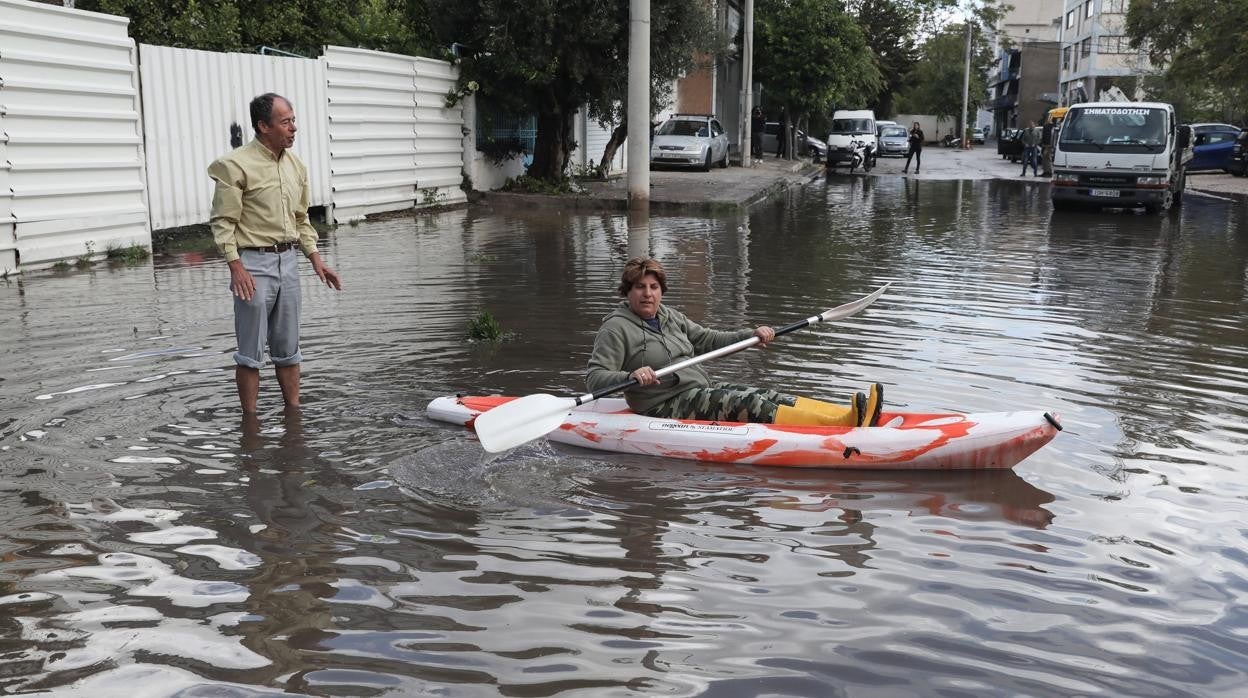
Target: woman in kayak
642,333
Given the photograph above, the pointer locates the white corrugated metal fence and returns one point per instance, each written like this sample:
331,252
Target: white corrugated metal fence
69,115
393,142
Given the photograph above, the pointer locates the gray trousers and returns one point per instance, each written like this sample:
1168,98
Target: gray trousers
271,317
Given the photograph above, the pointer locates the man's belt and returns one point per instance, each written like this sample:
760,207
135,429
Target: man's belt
278,247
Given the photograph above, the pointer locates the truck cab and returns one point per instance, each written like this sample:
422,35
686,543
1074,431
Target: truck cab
1120,154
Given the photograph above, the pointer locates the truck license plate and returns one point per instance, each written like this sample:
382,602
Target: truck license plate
1111,193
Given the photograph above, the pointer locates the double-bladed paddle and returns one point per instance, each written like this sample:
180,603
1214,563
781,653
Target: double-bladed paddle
524,419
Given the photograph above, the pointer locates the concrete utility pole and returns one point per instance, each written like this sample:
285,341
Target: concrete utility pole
639,105
966,90
747,91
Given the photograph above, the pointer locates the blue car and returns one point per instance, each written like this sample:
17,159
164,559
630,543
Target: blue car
1212,147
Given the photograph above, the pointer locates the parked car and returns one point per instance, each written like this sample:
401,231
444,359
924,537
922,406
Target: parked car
1239,155
894,140
1212,148
978,135
695,140
771,139
1010,144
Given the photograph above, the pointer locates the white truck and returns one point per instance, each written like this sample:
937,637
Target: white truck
1120,154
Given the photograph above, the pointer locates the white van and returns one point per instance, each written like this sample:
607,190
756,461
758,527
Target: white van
1121,154
849,125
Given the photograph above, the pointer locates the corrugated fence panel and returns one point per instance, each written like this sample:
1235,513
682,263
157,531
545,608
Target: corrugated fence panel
372,131
73,145
190,100
439,135
596,138
8,242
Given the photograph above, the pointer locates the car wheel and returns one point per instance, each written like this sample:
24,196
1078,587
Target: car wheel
723,164
706,166
1178,191
1240,172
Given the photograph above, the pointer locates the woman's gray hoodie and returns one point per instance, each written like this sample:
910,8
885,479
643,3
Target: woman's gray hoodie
625,343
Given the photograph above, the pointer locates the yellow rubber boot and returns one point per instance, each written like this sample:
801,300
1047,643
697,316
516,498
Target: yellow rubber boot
797,417
875,402
840,416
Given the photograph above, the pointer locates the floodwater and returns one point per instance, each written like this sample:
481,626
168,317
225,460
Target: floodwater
154,543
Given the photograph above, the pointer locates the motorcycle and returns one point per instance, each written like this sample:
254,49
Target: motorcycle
862,156
949,141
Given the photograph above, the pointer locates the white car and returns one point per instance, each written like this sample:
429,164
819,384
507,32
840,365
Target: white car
695,140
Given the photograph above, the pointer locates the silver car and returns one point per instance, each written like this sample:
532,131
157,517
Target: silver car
695,140
894,140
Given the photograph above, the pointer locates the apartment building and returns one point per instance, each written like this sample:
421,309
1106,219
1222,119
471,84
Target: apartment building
1022,88
1096,54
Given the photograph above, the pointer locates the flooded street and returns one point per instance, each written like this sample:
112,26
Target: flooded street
153,541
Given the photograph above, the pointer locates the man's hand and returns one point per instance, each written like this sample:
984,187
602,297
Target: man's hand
241,283
765,334
329,276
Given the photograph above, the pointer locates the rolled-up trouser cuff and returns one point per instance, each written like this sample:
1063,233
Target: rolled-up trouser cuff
292,360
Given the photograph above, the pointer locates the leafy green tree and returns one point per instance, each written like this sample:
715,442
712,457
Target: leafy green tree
810,55
295,26
1201,47
936,80
891,28
551,57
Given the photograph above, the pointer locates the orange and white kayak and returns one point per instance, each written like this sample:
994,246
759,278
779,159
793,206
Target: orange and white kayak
903,441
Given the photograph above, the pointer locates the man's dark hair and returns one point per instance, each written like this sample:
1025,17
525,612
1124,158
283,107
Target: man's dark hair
262,109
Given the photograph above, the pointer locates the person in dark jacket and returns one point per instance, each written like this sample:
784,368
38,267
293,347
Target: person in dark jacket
916,148
758,125
642,332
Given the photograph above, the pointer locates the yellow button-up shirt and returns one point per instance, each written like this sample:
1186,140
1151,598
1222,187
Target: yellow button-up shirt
260,200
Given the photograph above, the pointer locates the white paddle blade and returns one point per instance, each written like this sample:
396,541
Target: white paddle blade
520,421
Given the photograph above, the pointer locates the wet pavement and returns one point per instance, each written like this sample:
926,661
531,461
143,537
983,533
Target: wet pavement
153,540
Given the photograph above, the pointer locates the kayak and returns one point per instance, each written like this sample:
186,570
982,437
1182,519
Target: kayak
903,441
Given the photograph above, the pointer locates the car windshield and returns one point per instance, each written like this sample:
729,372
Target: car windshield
1114,128
683,127
852,126
894,131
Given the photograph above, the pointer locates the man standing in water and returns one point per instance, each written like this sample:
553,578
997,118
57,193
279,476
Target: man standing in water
259,218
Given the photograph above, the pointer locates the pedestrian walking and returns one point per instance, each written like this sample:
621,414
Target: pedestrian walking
758,126
1031,155
259,219
1046,149
916,148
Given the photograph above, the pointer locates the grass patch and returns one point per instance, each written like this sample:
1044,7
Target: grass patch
483,327
132,254
525,184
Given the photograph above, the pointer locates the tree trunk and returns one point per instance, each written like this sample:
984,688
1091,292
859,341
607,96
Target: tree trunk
554,145
618,134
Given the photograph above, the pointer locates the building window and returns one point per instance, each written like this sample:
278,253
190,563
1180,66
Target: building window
1115,7
1070,19
1114,44
1066,58
1087,10
1085,48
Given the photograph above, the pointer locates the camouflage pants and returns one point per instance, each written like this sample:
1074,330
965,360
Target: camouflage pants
724,402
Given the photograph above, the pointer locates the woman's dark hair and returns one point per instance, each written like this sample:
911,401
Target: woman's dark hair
636,269
262,109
